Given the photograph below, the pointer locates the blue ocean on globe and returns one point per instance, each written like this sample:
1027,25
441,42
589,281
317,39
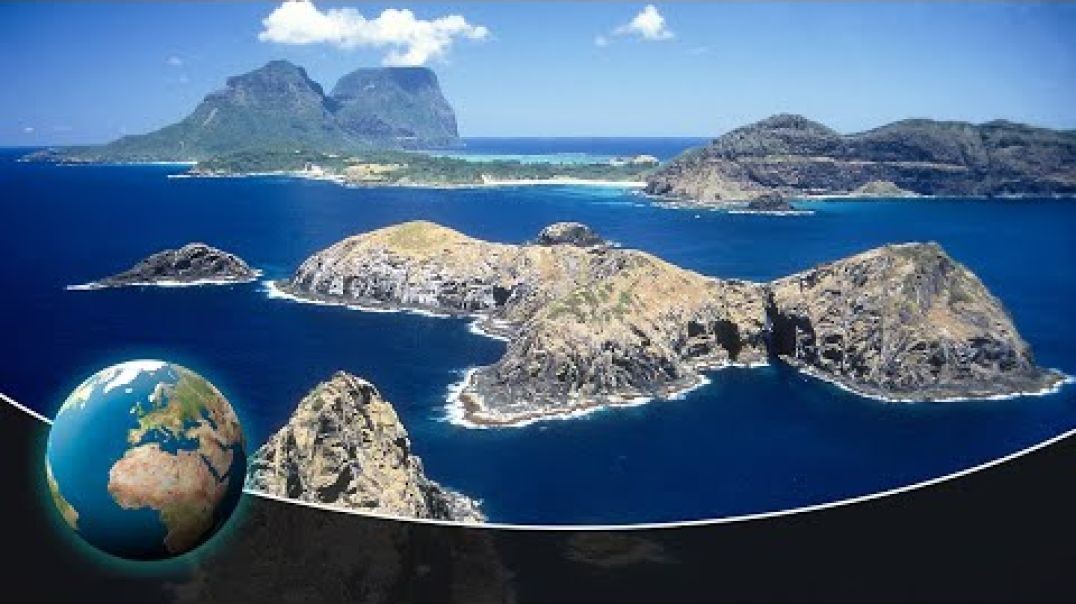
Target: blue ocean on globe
752,440
145,460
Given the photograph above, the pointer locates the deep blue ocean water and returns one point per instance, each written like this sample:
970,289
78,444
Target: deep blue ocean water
751,441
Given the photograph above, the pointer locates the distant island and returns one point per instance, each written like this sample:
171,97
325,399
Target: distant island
278,108
373,127
367,131
591,325
192,264
793,156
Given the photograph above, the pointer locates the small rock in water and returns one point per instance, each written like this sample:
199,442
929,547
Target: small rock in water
569,233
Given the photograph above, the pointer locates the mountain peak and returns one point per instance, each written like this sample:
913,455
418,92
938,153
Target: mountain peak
401,102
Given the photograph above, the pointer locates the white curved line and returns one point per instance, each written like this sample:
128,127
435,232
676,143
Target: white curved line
640,526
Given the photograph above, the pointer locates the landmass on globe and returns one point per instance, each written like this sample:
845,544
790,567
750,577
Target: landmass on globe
145,436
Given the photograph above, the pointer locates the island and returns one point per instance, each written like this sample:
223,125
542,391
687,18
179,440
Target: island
192,264
796,157
345,446
371,130
589,326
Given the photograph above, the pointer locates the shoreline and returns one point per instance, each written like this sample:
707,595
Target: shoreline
466,408
166,283
486,183
461,406
1055,388
737,207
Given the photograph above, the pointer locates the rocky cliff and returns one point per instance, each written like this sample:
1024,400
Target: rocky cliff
344,445
192,263
598,325
902,322
395,102
278,108
794,156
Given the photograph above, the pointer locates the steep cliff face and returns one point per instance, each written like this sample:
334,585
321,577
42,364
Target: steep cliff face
640,327
397,102
275,106
904,322
345,446
278,108
598,325
792,155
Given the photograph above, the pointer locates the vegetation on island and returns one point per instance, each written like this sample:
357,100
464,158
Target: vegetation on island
411,168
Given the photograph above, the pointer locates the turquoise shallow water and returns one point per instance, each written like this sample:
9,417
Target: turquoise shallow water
752,440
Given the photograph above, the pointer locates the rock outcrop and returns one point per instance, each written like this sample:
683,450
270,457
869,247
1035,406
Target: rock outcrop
569,233
194,263
770,202
278,108
792,155
902,322
344,445
595,326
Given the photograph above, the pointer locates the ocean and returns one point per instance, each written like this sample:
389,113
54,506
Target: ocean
752,440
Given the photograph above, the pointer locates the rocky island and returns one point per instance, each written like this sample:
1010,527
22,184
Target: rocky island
345,446
794,156
591,326
192,264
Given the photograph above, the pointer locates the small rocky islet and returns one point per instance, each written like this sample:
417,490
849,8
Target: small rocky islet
191,264
595,325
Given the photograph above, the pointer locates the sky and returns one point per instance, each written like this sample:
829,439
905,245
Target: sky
89,72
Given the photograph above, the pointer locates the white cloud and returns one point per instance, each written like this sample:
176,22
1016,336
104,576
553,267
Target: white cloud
174,61
28,130
408,40
601,41
648,25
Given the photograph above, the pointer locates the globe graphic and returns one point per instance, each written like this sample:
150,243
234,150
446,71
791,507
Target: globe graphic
146,460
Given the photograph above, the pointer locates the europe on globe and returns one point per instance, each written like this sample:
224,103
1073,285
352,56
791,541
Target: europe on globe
146,460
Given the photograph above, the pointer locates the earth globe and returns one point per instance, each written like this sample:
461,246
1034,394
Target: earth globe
146,460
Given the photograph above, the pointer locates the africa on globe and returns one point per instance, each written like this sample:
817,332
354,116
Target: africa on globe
146,460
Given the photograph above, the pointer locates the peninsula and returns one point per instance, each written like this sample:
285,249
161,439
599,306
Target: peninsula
192,264
592,325
793,156
345,446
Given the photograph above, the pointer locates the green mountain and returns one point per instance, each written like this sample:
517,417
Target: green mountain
279,108
399,102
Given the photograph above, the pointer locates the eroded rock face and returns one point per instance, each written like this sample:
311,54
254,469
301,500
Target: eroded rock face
569,233
587,325
345,446
600,325
192,263
792,155
902,322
